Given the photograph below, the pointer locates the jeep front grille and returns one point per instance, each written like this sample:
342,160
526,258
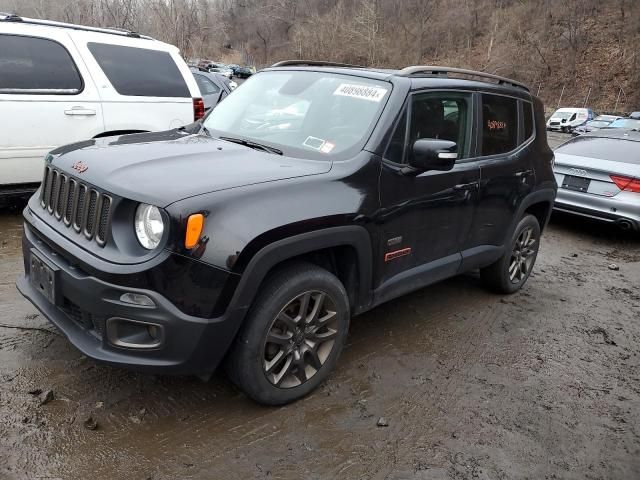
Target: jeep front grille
78,205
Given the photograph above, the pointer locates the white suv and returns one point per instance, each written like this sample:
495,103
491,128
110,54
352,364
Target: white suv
62,83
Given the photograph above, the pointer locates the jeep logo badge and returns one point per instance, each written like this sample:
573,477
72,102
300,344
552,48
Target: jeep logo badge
80,167
578,171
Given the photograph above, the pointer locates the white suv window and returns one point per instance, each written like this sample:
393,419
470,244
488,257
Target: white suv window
36,65
140,71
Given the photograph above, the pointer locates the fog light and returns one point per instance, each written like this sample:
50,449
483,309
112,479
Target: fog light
126,333
153,332
137,299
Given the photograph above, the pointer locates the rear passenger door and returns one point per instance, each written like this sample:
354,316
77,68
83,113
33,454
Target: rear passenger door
505,147
47,99
143,86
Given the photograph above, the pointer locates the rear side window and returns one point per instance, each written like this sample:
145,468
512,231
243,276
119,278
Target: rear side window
499,124
206,86
139,71
36,65
527,111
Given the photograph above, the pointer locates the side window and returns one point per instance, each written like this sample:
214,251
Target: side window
206,86
140,71
527,111
499,124
37,65
441,115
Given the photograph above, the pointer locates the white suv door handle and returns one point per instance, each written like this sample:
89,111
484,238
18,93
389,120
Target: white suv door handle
79,111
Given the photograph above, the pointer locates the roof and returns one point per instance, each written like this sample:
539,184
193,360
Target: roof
417,71
615,133
13,18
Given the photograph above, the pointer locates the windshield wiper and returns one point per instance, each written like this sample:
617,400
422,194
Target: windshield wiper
254,145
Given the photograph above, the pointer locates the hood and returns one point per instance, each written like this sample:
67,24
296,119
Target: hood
162,168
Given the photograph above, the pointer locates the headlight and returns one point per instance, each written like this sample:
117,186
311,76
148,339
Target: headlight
149,226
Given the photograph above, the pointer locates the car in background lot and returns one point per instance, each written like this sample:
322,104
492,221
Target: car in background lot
244,72
566,119
62,83
624,124
213,87
635,115
601,121
224,71
598,176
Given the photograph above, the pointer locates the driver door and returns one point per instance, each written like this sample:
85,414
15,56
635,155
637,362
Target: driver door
426,216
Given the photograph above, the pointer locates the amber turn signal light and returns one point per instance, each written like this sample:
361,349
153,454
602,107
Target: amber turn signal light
194,229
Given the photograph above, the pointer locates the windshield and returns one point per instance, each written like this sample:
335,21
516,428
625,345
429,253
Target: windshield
304,114
562,114
598,123
627,123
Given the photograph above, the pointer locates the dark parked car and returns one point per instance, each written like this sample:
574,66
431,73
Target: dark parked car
599,177
228,239
213,87
243,72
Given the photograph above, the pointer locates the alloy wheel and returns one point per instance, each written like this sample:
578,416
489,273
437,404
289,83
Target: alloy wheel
523,255
300,339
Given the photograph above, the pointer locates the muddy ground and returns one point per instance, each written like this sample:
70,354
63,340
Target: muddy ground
543,384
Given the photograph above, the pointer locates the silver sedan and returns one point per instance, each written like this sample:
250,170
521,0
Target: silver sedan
598,176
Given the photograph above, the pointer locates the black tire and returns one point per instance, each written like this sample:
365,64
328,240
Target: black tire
282,296
500,276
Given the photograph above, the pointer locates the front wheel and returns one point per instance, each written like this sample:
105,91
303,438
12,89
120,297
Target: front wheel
292,336
509,273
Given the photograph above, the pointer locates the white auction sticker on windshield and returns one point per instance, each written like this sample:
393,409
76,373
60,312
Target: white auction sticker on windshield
374,94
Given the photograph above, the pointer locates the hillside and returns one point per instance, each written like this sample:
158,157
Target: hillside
582,50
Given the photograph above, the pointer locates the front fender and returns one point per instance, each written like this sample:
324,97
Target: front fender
279,251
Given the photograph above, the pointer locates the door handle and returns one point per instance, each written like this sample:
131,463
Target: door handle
524,173
465,186
79,111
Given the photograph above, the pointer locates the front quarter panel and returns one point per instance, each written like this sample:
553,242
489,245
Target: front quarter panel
241,221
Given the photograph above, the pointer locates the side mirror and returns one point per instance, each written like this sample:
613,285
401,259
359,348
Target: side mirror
433,154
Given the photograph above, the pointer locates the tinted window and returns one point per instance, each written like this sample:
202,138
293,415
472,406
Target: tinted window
395,149
441,115
140,72
499,124
36,65
206,86
527,111
614,149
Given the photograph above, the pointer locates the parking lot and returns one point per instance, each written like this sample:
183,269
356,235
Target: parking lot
448,382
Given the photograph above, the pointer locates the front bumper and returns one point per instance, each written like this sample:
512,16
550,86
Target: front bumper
84,304
619,209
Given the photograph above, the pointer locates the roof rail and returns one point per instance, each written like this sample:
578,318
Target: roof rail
445,71
313,63
11,17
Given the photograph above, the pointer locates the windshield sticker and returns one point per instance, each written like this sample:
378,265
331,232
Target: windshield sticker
314,142
374,94
327,147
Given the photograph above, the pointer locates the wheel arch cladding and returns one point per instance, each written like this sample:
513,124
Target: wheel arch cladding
538,204
344,251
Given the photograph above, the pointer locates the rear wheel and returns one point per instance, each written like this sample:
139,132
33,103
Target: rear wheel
292,336
509,273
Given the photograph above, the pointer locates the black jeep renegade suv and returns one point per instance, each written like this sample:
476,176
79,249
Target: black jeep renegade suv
313,193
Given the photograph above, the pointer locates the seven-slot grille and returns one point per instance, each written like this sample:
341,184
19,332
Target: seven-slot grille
78,205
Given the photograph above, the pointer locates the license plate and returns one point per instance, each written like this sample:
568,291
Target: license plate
579,184
42,275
